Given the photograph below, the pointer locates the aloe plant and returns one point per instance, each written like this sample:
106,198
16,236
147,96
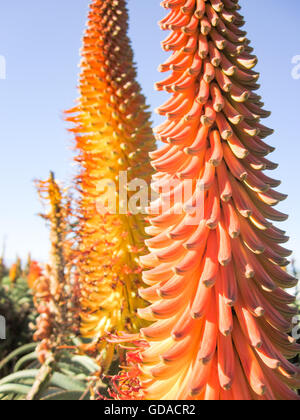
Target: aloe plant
69,378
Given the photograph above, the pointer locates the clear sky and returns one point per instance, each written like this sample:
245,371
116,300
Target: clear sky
40,41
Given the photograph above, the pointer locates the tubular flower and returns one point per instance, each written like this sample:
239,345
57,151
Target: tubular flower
113,137
216,265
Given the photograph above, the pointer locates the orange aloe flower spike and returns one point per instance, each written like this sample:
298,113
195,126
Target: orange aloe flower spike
220,315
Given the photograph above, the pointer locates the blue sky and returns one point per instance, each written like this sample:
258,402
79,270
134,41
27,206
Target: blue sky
40,41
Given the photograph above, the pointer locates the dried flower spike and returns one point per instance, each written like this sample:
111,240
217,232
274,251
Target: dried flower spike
53,291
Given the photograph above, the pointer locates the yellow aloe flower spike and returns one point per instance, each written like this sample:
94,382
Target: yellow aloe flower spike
113,137
15,270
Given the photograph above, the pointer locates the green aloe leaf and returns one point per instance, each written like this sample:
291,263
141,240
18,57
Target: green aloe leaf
14,389
18,376
67,383
66,396
20,351
26,359
69,369
86,362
